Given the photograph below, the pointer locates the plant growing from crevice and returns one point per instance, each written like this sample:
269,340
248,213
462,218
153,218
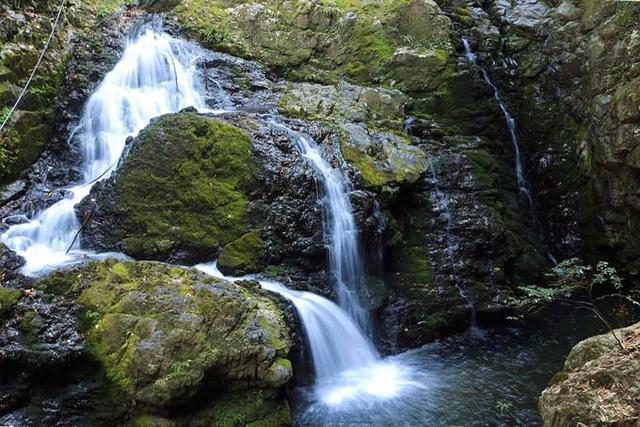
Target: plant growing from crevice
506,410
583,286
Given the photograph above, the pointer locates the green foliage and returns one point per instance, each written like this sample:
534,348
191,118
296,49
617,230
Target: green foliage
8,298
9,151
4,113
180,367
109,7
214,35
506,409
578,284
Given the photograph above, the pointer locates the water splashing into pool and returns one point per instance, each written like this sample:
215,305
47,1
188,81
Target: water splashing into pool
348,370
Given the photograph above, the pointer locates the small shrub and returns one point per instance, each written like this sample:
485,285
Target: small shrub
577,284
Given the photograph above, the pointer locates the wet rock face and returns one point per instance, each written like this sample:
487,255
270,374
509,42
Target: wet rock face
599,383
319,41
453,257
573,67
144,334
10,263
45,360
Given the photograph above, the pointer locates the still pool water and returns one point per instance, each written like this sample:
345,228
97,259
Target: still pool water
485,377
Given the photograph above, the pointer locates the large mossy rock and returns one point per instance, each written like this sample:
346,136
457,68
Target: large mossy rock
167,336
599,384
181,194
369,124
324,40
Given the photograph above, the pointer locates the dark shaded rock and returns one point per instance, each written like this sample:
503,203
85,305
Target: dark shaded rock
10,263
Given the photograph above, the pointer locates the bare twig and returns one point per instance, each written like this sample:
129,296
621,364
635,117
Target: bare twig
75,237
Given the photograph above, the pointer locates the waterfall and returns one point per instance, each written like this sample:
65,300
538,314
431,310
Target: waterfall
155,76
335,341
349,372
521,179
345,259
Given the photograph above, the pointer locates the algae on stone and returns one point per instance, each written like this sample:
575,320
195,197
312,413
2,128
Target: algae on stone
182,192
163,333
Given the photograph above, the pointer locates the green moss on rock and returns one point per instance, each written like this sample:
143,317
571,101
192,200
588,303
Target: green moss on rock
182,192
25,31
243,255
255,408
162,332
382,157
318,40
8,298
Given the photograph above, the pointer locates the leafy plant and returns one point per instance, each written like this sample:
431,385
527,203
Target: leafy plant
180,367
4,113
213,35
577,284
506,409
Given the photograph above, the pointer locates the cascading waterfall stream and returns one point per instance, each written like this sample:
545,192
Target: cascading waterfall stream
155,76
345,259
521,179
347,367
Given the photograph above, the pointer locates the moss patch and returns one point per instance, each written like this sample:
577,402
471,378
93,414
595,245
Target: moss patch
183,190
243,255
8,298
318,41
160,332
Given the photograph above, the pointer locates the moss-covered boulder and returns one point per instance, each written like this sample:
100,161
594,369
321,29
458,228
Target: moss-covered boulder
343,102
181,194
382,157
369,122
599,383
320,40
167,336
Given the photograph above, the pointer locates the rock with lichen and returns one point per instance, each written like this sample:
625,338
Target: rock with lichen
599,383
165,336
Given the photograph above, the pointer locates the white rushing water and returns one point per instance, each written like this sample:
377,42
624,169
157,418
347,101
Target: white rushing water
348,369
155,76
345,258
523,186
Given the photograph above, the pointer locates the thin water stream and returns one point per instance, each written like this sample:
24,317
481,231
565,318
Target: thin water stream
443,206
521,179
